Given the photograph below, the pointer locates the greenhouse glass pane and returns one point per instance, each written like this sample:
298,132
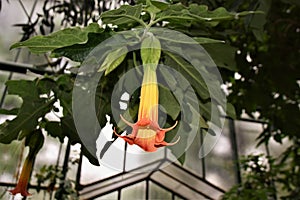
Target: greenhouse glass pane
192,161
10,159
156,192
136,191
91,173
246,134
219,163
110,196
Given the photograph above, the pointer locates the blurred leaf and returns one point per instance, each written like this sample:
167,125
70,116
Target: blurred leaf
258,21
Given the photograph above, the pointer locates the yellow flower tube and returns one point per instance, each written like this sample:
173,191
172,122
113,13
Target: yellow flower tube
146,132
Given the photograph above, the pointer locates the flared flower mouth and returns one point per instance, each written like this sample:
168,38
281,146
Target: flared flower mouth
146,132
21,187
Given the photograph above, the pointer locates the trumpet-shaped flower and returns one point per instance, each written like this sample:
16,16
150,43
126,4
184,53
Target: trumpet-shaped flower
22,184
146,132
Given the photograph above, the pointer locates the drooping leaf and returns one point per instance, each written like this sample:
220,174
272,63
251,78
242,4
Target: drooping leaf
190,72
169,102
230,111
59,39
113,60
222,54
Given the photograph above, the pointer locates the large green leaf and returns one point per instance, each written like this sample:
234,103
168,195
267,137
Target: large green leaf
189,71
197,13
55,130
222,54
126,14
169,102
78,52
59,39
32,109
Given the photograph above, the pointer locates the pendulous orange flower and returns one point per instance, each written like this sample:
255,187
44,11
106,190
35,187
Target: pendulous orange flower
22,184
146,132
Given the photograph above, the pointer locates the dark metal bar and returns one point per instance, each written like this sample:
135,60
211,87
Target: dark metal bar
125,154
246,120
147,190
203,157
235,150
64,171
22,68
119,194
78,174
4,184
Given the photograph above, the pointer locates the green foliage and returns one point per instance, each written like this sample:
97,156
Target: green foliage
50,175
258,180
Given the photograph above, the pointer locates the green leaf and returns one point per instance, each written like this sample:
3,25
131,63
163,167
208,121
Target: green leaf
169,102
150,8
160,4
183,39
126,14
55,130
185,16
23,88
204,40
31,110
258,21
222,54
59,39
13,111
230,111
26,120
190,73
113,60
78,52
